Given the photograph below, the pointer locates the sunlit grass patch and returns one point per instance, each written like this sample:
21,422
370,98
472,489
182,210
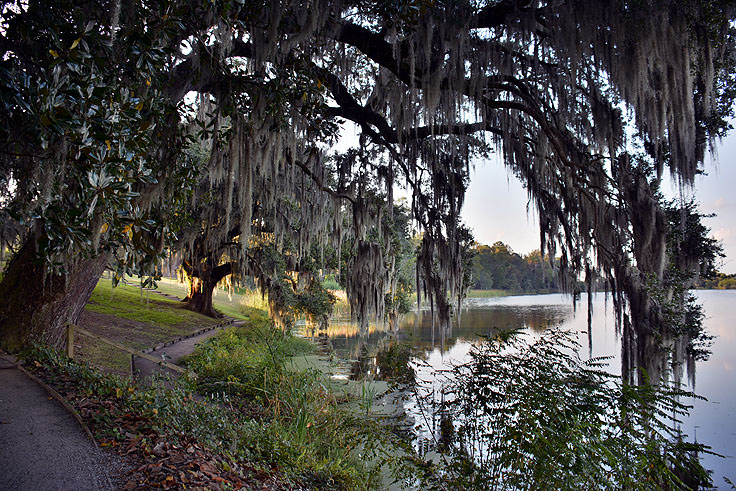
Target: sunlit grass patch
488,293
130,302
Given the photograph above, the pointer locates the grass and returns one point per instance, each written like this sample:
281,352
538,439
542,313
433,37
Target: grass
129,302
141,319
239,304
302,424
102,355
136,320
170,286
488,293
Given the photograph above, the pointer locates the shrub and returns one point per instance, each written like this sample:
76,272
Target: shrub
300,425
531,414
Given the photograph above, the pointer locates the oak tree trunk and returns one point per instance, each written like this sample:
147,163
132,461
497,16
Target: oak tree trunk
202,283
36,306
200,296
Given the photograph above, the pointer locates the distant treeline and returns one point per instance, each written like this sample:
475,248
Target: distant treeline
720,281
498,267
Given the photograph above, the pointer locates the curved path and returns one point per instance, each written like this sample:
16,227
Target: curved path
173,353
43,445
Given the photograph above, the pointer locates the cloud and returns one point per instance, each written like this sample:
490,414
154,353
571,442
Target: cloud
720,203
725,233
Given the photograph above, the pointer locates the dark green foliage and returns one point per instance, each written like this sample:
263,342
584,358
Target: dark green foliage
92,114
529,414
498,267
394,363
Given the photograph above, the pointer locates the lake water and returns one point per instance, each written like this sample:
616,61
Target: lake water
712,422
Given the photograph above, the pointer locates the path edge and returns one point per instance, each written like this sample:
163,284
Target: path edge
65,404
52,392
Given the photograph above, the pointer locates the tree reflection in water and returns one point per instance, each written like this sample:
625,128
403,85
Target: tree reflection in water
439,349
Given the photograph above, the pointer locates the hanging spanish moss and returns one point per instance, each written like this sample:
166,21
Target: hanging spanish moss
562,91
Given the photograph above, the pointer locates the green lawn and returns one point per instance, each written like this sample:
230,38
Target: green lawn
130,302
488,293
235,305
136,319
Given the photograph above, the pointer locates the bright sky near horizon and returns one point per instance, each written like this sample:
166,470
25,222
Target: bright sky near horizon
496,204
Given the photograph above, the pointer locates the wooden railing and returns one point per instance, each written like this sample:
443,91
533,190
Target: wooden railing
71,329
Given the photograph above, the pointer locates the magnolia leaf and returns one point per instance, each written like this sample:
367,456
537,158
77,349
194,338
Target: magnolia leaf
92,206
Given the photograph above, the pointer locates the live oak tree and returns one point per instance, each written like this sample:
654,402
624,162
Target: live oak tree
99,102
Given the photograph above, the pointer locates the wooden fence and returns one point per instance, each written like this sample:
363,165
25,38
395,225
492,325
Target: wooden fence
71,329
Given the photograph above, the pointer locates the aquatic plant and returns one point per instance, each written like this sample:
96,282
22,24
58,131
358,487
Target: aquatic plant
528,413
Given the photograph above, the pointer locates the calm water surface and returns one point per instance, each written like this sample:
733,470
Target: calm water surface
712,422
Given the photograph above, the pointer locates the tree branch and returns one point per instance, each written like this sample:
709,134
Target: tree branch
318,181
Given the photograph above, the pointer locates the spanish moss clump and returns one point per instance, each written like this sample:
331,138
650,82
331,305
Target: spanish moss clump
552,92
231,117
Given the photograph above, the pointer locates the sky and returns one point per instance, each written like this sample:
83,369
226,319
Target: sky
496,208
496,204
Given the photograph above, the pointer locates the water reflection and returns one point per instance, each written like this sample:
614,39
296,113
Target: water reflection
712,422
480,318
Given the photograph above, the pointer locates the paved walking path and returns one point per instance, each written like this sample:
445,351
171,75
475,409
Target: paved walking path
43,445
175,352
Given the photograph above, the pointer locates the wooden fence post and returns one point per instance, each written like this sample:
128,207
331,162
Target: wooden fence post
70,340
